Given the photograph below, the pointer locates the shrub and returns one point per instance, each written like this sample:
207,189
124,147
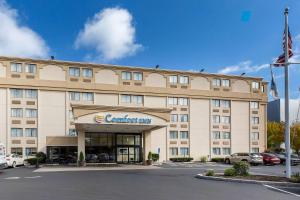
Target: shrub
31,161
241,168
150,155
229,172
181,159
218,160
81,157
41,156
155,157
203,159
296,177
210,172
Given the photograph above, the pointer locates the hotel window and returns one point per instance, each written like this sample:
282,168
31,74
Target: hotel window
184,79
87,96
216,82
217,151
30,151
184,118
173,134
184,135
255,136
216,102
137,76
174,118
31,94
74,71
216,135
184,151
72,132
125,98
262,88
173,151
16,132
226,135
16,67
254,120
183,101
87,72
226,151
172,101
126,75
31,113
30,68
75,96
225,83
30,132
16,112
254,105
225,103
18,151
173,79
255,85
225,119
216,119
254,150
137,99
16,93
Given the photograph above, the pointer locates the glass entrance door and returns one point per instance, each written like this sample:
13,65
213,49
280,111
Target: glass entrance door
128,148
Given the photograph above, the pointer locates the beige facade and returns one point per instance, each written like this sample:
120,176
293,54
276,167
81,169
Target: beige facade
48,104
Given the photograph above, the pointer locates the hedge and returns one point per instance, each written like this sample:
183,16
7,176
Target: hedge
218,160
155,157
182,159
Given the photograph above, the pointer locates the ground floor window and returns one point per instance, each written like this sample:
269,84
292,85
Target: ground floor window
18,151
30,151
217,151
173,151
226,151
62,154
184,151
255,150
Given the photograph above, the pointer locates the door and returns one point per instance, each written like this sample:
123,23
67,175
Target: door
122,154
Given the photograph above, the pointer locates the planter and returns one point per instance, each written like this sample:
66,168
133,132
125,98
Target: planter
149,162
81,164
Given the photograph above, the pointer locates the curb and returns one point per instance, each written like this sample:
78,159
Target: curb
235,180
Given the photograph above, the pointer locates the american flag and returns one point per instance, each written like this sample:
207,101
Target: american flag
281,58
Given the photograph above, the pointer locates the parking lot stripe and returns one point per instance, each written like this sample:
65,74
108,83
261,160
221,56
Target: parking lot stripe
12,178
280,190
31,177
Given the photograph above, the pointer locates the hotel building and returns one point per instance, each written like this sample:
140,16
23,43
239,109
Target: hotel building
119,114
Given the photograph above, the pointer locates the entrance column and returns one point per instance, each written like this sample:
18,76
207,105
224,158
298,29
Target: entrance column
147,144
81,143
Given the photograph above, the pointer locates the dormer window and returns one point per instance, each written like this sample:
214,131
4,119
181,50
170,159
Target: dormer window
255,85
126,75
30,68
173,79
225,82
87,72
137,76
74,71
16,67
184,80
216,82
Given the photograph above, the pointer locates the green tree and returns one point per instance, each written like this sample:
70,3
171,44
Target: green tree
275,134
295,137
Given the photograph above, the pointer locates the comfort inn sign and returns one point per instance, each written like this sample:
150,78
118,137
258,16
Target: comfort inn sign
126,119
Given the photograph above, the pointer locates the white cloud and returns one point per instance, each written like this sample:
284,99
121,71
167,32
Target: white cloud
244,66
17,39
111,33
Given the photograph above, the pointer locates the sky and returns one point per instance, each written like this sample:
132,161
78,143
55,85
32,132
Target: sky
220,36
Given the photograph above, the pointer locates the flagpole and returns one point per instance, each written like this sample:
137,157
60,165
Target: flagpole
287,99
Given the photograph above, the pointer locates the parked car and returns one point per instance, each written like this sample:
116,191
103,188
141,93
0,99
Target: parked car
270,159
252,158
3,163
14,160
295,160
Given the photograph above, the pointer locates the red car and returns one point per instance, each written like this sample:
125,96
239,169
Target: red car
270,159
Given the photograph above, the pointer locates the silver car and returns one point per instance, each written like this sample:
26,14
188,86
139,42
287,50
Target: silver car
251,158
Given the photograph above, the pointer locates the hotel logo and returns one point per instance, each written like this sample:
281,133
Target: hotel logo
99,119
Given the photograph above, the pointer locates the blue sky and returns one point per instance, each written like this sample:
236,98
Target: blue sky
229,36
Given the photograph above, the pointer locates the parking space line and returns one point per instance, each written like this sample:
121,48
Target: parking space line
12,178
280,190
32,177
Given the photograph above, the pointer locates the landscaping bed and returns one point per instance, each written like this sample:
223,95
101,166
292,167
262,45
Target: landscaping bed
257,178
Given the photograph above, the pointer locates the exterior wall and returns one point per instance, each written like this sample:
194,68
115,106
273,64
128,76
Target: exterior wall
155,80
106,77
200,83
158,143
52,72
106,99
3,116
2,70
155,102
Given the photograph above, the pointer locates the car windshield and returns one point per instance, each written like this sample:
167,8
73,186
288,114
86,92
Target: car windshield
269,154
254,154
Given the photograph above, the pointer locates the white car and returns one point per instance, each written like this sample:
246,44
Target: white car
3,163
14,160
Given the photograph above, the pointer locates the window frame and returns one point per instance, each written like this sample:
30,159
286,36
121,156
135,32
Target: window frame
74,70
184,80
87,75
184,133
18,67
175,134
216,82
173,79
125,74
28,68
137,76
224,83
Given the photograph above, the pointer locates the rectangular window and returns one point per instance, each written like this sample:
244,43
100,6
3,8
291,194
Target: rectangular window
183,101
184,151
16,93
255,85
216,119
255,136
126,75
30,132
254,150
226,151
225,103
184,135
254,120
74,71
184,118
31,113
31,94
30,68
254,105
87,72
262,88
16,112
217,151
30,151
137,99
16,67
173,134
18,151
225,119
137,76
173,151
216,135
172,101
216,82
216,103
75,96
226,135
173,79
72,132
225,83
87,96
125,98
184,79
174,118
16,132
